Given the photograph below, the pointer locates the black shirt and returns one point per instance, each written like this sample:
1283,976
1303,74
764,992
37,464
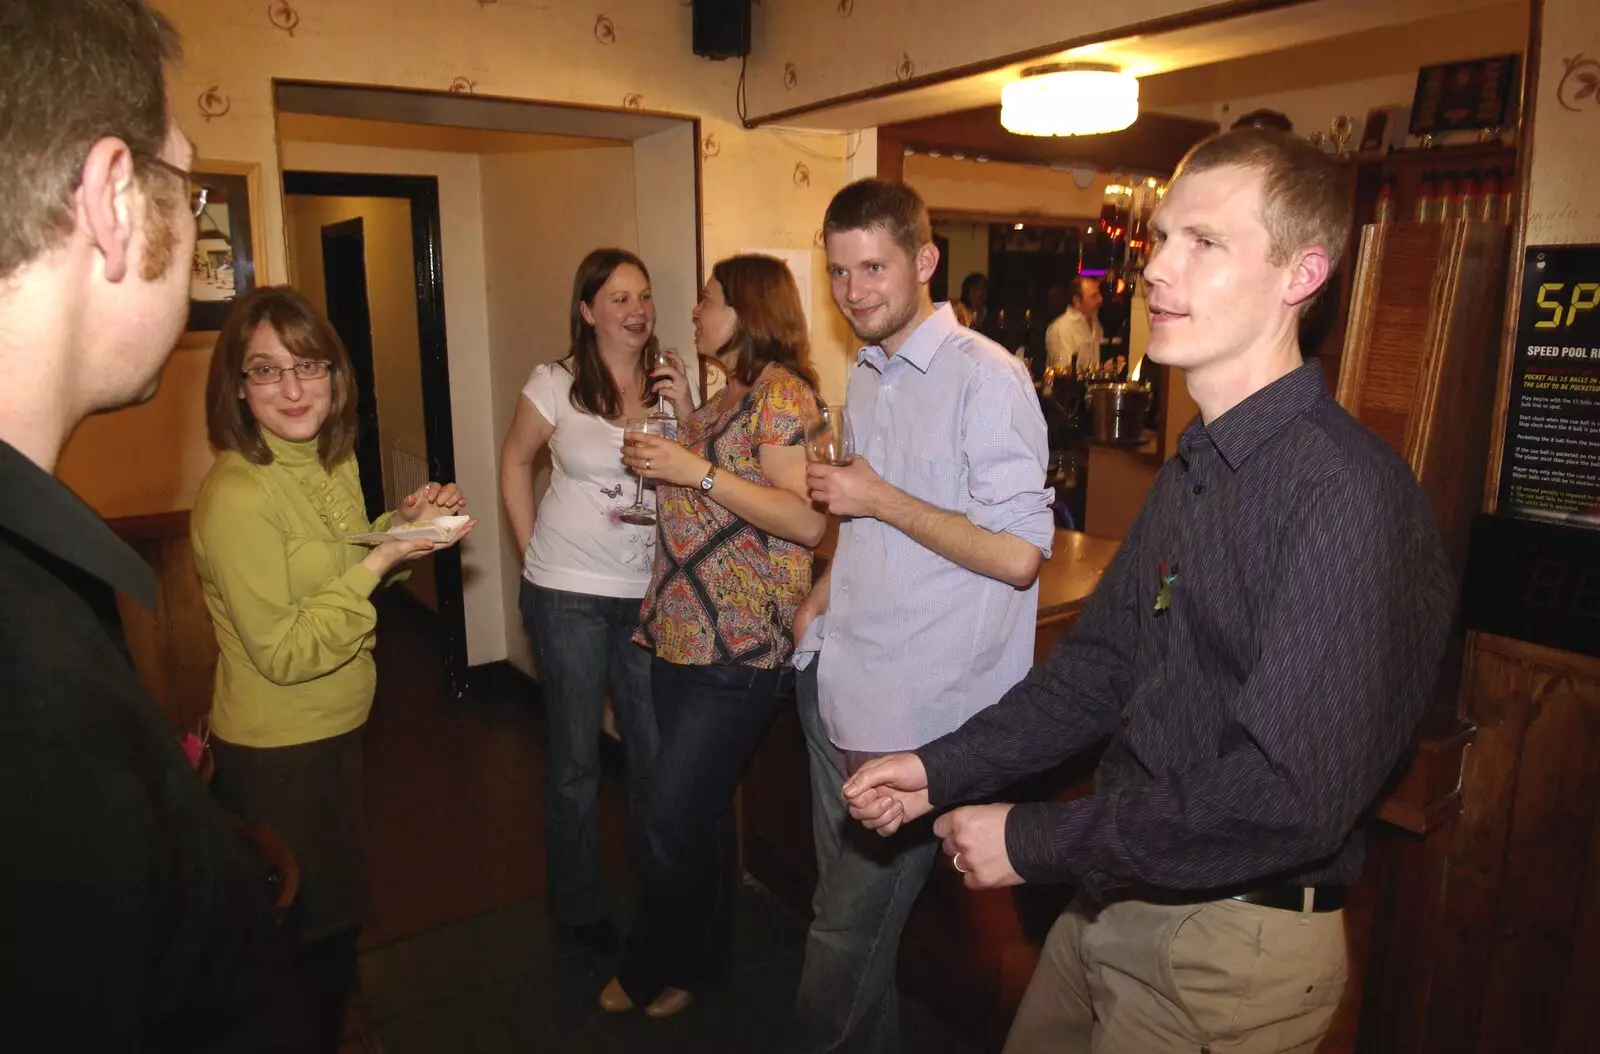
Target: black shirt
131,917
1260,653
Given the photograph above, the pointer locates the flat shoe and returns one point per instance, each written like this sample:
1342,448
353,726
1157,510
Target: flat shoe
669,1002
613,1000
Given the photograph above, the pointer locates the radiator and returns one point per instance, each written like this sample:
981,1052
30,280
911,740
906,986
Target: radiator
407,472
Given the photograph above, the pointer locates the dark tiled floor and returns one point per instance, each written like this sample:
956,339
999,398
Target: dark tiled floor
461,957
505,981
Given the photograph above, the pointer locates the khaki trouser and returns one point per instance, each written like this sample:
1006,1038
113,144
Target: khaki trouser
1142,978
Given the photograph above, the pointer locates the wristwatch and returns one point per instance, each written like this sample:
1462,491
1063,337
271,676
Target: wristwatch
710,478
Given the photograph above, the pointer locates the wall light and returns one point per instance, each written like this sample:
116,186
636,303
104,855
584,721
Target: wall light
1070,99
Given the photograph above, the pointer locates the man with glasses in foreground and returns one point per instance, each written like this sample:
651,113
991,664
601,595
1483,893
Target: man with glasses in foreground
131,917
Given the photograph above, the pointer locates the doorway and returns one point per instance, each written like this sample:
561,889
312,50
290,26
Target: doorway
344,279
388,456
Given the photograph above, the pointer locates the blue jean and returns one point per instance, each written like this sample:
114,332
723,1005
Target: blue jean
582,643
711,719
866,886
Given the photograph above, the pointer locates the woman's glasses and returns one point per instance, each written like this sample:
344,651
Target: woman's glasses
305,370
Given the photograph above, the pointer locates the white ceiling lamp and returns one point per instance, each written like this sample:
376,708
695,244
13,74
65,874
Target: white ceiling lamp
1077,98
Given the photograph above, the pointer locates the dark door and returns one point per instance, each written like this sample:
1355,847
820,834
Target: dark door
344,278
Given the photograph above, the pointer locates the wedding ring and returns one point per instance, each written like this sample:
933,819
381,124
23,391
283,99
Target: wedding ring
956,861
647,464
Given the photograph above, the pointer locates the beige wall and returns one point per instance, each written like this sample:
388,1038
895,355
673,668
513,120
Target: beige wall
1564,195
391,299
969,251
997,187
545,212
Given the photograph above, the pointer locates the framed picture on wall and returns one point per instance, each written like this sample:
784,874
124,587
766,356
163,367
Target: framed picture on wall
224,264
1464,96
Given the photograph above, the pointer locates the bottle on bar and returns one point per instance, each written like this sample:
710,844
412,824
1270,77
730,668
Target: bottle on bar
1445,211
1425,197
1467,197
1384,211
1489,196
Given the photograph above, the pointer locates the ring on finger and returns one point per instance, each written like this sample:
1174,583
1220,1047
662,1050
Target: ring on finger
956,861
647,464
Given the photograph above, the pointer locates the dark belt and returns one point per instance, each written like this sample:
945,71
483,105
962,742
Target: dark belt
1292,898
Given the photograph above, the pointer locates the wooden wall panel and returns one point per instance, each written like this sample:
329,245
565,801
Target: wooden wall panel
1558,783
1516,968
173,647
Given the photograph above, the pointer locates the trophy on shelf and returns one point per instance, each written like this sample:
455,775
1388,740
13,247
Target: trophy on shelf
1318,139
1339,133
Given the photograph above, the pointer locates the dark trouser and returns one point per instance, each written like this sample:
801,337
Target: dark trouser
866,886
327,970
582,642
711,719
311,795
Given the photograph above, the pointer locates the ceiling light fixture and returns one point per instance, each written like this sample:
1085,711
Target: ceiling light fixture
1077,98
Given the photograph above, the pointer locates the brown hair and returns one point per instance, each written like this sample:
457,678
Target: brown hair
307,335
772,323
881,204
593,390
1303,199
76,72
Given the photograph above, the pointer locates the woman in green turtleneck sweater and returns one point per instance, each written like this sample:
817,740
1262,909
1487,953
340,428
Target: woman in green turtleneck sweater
289,598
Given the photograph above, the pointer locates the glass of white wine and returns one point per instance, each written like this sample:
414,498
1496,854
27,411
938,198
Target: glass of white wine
658,359
639,514
828,436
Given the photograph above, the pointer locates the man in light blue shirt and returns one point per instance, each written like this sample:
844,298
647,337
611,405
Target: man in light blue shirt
926,615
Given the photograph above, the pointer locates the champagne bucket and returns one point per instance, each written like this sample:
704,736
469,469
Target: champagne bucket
1116,411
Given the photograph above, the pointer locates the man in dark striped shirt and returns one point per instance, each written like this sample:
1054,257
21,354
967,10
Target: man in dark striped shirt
1259,654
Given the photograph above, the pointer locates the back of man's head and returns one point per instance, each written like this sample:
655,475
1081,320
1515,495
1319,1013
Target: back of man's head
72,72
881,204
1304,202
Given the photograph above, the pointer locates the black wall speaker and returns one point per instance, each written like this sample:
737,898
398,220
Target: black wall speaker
721,28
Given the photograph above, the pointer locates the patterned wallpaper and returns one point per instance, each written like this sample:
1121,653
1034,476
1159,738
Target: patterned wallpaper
759,189
1563,206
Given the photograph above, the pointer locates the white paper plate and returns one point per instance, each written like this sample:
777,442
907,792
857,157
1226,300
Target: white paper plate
444,529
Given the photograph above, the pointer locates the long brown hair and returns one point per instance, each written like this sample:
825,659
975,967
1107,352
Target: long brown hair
306,335
772,323
593,390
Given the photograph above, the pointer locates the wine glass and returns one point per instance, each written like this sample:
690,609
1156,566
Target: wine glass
828,438
639,514
658,359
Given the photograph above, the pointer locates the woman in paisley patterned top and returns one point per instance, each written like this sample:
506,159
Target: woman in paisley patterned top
290,602
732,562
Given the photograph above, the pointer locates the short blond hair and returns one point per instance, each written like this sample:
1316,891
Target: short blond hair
1304,199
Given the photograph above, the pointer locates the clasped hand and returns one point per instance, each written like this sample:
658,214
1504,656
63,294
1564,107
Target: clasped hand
431,501
889,792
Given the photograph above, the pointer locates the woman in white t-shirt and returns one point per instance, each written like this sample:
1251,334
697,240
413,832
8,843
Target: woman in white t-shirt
584,570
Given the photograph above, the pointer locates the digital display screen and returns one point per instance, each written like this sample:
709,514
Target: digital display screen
1534,581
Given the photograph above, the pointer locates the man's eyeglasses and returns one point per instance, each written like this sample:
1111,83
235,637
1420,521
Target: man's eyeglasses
305,370
197,195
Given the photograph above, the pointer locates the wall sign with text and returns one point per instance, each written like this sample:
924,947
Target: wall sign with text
1550,466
